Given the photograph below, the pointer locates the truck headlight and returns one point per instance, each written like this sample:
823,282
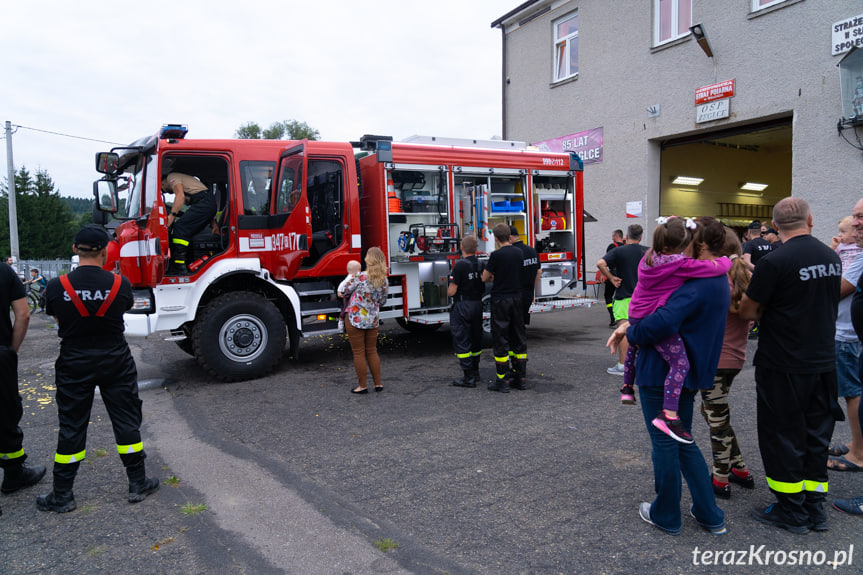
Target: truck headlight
142,301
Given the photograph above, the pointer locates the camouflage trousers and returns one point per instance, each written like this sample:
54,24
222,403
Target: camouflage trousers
723,442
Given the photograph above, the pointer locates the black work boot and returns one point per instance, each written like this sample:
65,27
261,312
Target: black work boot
519,374
57,501
178,266
140,491
469,379
17,477
814,505
140,486
475,368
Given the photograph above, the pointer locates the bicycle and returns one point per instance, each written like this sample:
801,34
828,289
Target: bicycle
35,300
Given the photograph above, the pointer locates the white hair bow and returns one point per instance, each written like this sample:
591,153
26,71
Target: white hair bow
690,223
662,220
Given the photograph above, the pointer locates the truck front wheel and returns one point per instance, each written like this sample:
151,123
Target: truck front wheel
239,335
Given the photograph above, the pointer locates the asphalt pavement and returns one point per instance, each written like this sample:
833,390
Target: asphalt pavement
293,474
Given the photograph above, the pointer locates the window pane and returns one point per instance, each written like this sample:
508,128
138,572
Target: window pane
684,17
664,20
567,27
573,56
561,61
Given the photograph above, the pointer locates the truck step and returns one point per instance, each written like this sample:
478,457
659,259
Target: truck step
314,288
308,308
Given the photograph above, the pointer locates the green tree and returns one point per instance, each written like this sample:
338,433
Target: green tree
46,225
287,130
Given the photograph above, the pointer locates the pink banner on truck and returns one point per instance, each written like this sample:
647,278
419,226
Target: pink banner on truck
587,144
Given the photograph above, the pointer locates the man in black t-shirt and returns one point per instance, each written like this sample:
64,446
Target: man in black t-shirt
16,474
89,303
794,293
465,317
530,273
616,242
624,260
504,268
756,246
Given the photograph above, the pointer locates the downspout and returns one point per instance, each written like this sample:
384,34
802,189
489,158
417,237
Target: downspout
503,83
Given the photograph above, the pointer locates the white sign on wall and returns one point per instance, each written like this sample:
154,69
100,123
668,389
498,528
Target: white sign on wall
712,111
847,34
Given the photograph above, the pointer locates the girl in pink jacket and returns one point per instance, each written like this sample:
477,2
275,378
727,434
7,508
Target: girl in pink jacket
663,269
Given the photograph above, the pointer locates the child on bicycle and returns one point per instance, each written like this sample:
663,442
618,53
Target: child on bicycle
40,284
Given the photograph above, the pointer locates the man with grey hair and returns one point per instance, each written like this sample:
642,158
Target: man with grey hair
794,293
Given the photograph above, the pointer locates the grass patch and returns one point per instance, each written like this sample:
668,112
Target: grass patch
100,452
385,544
173,481
95,551
193,508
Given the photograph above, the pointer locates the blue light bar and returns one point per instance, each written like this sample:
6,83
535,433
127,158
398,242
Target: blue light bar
173,132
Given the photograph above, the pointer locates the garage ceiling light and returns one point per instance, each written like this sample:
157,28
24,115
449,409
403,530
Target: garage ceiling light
753,187
687,181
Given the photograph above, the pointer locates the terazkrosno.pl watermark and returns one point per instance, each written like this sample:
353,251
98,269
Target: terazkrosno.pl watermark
762,556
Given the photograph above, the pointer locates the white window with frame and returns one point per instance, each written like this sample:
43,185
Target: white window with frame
566,47
761,4
671,20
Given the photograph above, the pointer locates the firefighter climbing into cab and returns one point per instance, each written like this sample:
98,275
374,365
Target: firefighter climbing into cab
187,190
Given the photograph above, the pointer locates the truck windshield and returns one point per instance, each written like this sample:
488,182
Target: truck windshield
138,185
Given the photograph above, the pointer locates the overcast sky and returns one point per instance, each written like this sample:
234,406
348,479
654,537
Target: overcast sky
118,71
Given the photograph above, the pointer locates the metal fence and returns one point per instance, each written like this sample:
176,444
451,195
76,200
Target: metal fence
48,268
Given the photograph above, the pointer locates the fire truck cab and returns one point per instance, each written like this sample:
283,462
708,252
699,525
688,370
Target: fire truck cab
292,214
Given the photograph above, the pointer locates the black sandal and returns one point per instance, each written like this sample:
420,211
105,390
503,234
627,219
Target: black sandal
358,390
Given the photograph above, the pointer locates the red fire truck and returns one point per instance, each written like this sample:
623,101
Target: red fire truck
291,214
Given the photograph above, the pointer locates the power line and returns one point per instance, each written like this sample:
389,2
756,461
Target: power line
67,135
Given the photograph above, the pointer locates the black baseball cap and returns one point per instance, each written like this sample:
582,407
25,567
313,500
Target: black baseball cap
771,231
91,238
513,231
755,226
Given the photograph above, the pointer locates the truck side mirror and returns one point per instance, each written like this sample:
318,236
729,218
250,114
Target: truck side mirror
107,163
105,192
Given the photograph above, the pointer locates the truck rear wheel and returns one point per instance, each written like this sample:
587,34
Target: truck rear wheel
239,335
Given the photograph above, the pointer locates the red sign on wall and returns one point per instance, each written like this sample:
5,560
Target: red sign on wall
714,92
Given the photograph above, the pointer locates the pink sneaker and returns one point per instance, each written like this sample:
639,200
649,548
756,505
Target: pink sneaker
627,395
671,428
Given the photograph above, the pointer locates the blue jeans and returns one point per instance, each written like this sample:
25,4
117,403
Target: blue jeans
847,360
672,459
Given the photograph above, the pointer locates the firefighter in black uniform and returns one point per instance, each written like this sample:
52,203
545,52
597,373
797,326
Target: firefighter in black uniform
89,303
795,293
16,474
202,209
530,273
507,320
465,317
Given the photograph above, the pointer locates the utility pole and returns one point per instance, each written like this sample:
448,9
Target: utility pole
13,210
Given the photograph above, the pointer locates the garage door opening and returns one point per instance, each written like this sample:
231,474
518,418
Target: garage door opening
719,165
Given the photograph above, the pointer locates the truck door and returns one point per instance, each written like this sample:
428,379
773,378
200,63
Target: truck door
290,221
144,243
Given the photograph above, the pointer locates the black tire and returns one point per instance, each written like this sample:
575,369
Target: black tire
414,327
239,335
486,321
32,301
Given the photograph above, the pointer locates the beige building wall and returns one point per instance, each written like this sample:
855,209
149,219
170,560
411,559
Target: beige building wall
779,57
